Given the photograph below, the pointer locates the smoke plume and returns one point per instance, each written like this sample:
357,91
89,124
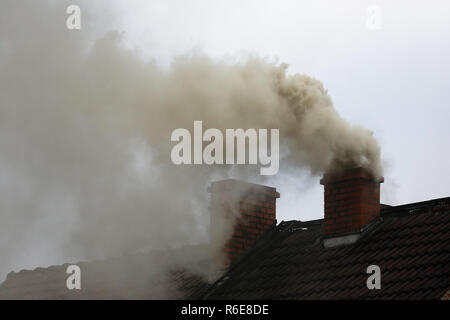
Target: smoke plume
85,124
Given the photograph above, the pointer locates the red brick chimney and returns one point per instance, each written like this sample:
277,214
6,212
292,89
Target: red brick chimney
352,200
240,213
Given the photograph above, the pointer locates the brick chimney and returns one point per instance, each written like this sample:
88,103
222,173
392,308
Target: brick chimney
240,213
352,200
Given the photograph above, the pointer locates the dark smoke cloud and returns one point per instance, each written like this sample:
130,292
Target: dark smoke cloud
85,126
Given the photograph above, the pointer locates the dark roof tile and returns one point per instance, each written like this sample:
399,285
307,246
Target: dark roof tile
411,247
410,243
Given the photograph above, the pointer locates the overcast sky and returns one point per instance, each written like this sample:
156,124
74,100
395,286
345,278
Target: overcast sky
393,79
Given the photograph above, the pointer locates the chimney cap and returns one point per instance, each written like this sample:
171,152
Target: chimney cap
349,174
234,185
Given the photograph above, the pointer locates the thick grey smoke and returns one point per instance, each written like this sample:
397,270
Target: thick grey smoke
85,124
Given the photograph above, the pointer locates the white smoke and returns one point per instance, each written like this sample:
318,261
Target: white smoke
85,126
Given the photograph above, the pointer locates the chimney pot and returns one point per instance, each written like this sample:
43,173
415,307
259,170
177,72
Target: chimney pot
250,209
351,200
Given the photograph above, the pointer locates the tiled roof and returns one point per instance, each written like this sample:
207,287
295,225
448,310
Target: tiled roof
127,277
410,244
